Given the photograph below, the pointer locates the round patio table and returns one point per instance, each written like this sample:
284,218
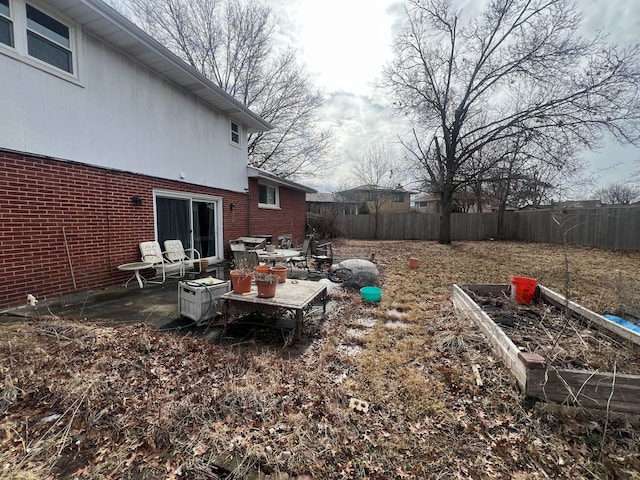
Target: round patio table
135,267
278,255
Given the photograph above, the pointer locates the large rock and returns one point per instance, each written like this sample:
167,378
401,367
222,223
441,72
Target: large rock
361,273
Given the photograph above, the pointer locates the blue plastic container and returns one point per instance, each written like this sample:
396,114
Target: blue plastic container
622,322
371,294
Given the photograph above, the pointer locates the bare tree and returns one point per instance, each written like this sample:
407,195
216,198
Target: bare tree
232,43
517,71
617,193
380,177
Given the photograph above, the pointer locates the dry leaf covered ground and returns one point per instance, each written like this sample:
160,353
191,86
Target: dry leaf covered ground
78,400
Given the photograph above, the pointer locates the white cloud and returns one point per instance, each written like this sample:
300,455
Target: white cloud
343,42
346,43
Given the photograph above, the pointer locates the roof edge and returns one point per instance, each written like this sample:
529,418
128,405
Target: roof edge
254,172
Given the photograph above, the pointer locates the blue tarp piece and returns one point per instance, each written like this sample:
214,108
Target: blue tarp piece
622,322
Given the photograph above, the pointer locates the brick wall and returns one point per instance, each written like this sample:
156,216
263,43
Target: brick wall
290,218
42,200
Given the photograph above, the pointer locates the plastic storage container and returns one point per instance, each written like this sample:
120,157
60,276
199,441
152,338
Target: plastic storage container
371,294
198,299
523,289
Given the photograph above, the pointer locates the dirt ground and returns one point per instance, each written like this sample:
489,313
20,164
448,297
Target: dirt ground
383,390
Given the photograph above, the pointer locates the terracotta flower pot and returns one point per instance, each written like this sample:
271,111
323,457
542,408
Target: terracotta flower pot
262,269
241,280
267,284
281,272
413,262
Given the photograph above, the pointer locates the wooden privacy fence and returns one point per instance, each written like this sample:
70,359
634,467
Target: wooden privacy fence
613,228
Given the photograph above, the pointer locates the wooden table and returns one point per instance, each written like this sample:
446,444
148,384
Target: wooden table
294,295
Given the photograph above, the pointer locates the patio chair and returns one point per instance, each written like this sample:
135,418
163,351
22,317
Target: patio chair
152,253
247,259
190,257
322,253
301,261
285,241
237,246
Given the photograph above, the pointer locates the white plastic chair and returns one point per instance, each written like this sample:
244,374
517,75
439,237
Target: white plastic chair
152,253
174,251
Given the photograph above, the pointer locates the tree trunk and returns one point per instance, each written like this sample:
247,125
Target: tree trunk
375,225
446,208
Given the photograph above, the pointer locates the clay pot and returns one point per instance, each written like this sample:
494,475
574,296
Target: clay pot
241,280
413,262
267,284
281,272
262,269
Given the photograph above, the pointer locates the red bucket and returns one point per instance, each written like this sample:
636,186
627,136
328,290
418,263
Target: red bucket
523,289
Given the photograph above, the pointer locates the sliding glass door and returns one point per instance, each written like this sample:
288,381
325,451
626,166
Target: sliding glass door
204,228
194,220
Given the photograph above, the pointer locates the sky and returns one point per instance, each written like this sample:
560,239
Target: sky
344,45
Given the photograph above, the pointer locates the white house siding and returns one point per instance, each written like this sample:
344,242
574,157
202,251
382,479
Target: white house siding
121,116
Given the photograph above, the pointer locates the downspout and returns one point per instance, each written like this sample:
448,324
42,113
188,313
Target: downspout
249,208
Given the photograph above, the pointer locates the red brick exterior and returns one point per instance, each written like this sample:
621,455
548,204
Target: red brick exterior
42,199
290,218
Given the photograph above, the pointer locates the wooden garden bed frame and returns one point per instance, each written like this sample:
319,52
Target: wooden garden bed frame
588,389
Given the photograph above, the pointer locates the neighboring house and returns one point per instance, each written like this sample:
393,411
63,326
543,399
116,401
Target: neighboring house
318,203
565,204
108,139
430,203
372,198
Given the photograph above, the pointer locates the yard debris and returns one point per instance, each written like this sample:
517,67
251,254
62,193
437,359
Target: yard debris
358,405
170,405
476,372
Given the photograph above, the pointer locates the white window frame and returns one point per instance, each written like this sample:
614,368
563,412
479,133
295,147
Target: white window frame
398,197
20,50
233,133
276,188
12,21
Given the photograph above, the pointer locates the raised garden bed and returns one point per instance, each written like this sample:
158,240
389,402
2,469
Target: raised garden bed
557,350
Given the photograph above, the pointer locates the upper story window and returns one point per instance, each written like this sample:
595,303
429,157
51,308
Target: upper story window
48,40
38,37
235,134
6,24
268,196
398,197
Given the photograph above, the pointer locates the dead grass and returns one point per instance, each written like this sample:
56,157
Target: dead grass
84,401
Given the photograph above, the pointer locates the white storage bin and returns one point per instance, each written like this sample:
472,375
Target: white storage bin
198,299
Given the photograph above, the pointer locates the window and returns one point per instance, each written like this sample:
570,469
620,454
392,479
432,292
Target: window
369,196
398,197
48,40
268,195
6,25
38,38
235,133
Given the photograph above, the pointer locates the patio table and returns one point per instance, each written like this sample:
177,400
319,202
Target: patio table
278,255
135,267
294,295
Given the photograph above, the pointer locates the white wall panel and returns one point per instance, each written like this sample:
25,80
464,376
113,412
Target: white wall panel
121,116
